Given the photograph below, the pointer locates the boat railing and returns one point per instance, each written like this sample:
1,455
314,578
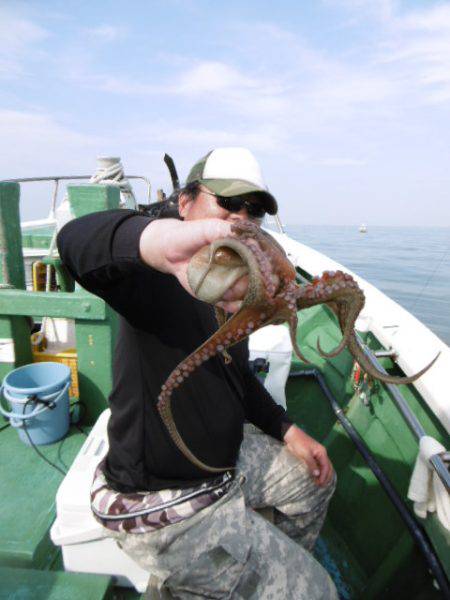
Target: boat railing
51,219
438,461
95,322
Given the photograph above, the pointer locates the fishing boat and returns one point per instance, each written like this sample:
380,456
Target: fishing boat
363,228
373,544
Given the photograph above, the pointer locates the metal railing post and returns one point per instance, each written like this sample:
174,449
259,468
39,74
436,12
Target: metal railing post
412,421
15,345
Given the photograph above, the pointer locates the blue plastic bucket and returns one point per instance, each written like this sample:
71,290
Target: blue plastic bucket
38,395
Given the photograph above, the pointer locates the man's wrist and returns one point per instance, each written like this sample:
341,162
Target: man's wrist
289,431
151,244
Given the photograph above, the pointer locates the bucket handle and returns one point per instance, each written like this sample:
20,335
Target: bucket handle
37,411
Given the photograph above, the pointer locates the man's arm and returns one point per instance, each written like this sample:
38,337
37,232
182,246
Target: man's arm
262,410
305,448
271,418
106,251
168,245
101,252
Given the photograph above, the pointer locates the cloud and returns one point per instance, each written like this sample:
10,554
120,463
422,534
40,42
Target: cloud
106,33
379,10
38,143
418,44
432,19
164,133
19,38
233,88
212,76
411,45
340,162
205,82
345,85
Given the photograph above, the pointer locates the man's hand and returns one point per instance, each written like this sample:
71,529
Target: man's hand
305,448
168,245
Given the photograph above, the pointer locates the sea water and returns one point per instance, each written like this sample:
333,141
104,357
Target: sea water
411,265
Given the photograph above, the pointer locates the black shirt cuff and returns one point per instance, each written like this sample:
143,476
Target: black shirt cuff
126,238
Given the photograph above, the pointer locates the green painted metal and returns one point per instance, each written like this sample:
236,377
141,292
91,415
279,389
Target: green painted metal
15,327
85,199
440,536
96,339
11,259
27,501
96,323
76,305
38,237
337,558
95,326
95,348
29,584
15,333
63,277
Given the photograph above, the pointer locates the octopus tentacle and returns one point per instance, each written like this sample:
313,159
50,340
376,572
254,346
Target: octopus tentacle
269,278
341,289
199,283
293,323
337,290
236,329
273,296
364,362
165,410
348,309
221,318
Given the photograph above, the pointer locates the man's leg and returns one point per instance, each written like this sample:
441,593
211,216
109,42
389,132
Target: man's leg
276,478
275,567
278,568
229,551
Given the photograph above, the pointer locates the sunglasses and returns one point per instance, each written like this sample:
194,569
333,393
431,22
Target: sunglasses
234,204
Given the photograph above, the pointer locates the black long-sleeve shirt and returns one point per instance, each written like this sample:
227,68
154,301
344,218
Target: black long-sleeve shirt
161,324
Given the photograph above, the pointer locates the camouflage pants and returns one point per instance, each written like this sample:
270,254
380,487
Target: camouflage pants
229,551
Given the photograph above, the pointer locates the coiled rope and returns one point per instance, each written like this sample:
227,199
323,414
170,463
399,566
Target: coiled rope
110,172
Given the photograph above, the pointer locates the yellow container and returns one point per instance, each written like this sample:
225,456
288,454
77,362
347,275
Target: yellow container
39,276
69,358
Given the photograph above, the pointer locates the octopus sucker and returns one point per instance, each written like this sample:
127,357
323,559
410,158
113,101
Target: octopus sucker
273,296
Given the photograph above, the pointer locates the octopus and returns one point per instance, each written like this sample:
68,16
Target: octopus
273,297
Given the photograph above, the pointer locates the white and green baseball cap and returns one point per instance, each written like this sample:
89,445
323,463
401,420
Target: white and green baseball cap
232,172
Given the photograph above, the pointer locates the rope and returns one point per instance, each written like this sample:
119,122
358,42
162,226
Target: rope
113,174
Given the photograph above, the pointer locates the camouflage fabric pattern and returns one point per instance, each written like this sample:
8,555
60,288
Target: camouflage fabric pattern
140,512
228,550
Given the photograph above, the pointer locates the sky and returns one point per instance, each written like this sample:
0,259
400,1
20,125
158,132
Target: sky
345,103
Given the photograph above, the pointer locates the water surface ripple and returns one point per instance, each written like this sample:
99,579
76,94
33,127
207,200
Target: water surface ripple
409,264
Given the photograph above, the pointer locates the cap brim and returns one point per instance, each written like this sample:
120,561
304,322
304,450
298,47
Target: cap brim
236,187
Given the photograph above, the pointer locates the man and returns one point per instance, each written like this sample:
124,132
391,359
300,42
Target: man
216,546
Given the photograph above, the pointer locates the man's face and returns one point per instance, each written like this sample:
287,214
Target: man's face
205,206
